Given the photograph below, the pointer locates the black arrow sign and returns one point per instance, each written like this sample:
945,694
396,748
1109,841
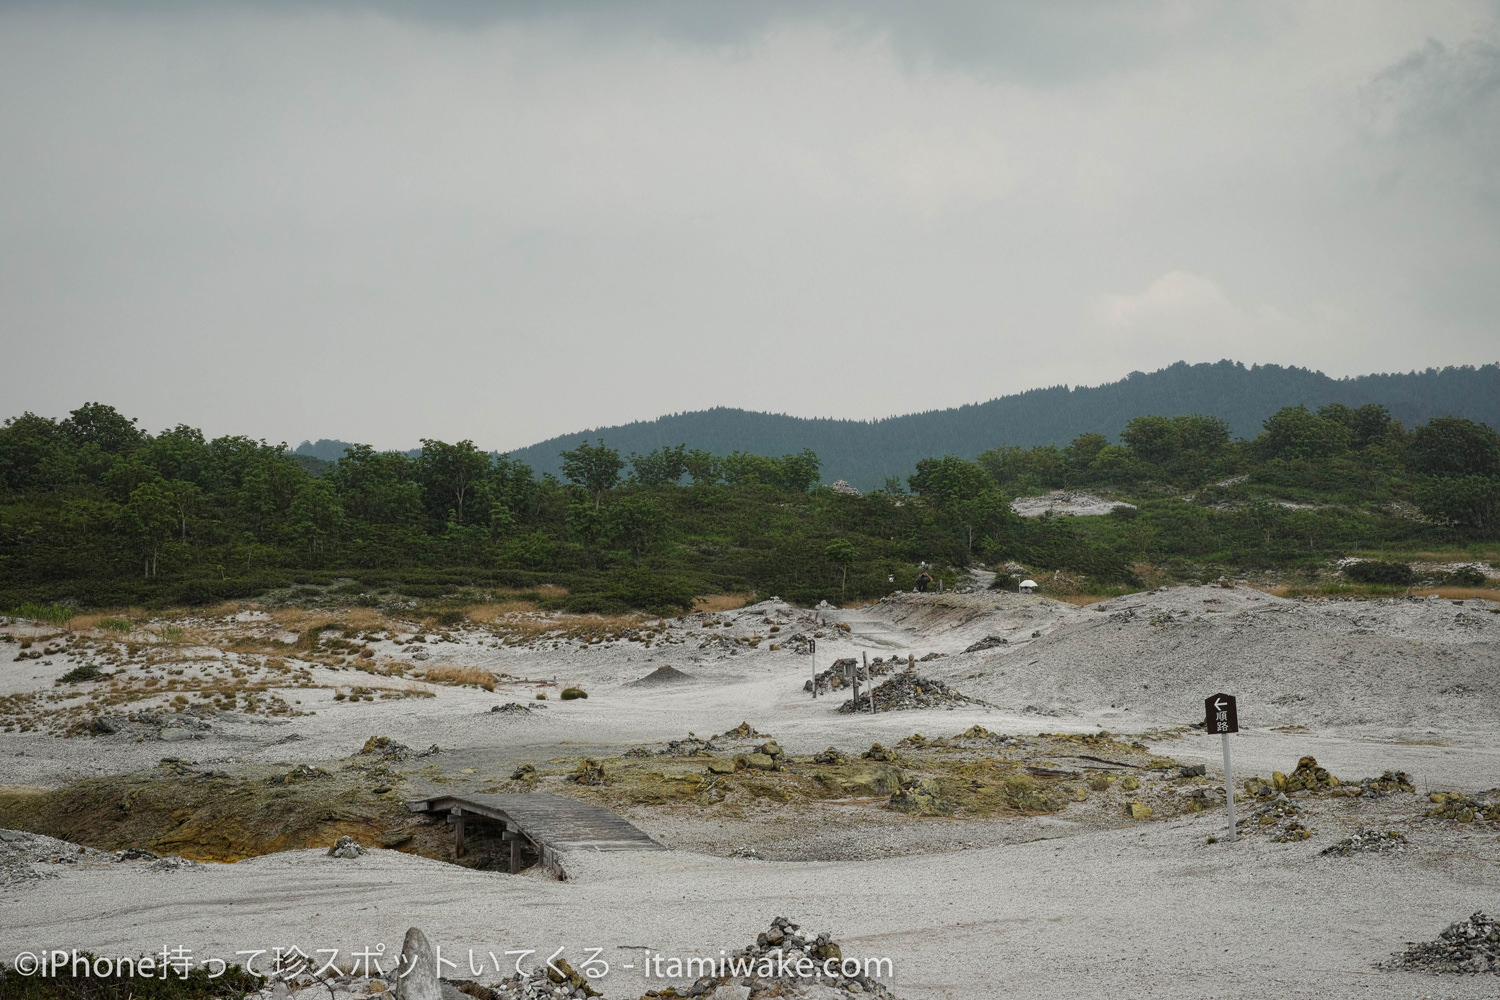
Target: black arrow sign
1219,714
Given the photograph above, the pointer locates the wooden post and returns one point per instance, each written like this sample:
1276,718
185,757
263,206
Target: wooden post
812,653
869,681
514,837
460,847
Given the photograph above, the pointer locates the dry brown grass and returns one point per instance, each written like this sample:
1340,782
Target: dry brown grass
524,627
82,623
722,602
367,619
485,614
1358,591
459,676
1079,600
1459,593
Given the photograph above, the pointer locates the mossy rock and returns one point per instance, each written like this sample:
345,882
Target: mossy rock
921,797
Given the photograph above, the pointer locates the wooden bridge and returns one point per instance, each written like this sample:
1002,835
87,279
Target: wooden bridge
548,825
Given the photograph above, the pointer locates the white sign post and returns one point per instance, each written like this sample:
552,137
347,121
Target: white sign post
1220,715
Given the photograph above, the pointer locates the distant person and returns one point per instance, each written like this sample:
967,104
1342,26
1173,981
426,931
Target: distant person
924,580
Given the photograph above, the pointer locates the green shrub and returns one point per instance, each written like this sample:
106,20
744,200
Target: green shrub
52,614
1466,576
82,672
573,694
1376,571
115,625
197,984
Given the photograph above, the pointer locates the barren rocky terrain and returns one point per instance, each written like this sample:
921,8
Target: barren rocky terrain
1029,814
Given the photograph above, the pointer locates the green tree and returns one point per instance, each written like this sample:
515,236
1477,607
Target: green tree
1294,432
948,479
661,467
702,466
841,553
634,523
315,516
104,426
183,497
1081,453
152,516
1453,446
1471,503
596,468
180,453
1005,464
983,515
449,474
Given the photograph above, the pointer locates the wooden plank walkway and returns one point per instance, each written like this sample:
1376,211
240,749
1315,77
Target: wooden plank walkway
552,824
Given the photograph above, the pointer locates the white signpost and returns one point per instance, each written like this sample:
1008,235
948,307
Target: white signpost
1221,716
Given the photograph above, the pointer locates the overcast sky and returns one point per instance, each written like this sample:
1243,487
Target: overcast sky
386,221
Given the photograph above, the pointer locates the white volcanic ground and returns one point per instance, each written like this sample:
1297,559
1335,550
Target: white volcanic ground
1057,906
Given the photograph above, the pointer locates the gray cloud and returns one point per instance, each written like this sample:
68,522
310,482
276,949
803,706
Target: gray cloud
387,221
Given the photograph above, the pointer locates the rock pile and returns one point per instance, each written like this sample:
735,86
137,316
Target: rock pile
562,980
1389,783
988,642
773,967
1278,818
829,756
1463,808
513,708
884,754
692,746
1307,775
983,735
744,731
588,772
347,847
906,691
1367,842
1471,945
386,749
841,674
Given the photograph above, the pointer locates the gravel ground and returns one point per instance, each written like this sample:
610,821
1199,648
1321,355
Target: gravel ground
1060,906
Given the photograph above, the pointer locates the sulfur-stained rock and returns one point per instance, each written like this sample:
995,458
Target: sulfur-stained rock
920,797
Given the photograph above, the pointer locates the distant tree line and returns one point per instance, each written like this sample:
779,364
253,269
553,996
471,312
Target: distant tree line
97,511
865,453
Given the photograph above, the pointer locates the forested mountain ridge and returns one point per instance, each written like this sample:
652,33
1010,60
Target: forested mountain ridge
97,512
865,453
